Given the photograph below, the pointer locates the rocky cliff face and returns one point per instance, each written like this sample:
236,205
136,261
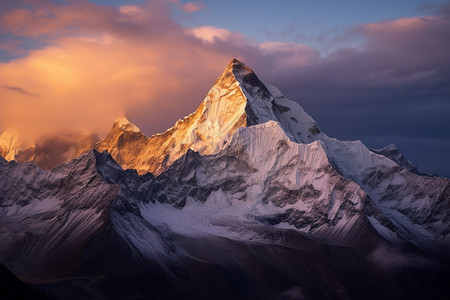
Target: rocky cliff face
206,131
47,217
124,142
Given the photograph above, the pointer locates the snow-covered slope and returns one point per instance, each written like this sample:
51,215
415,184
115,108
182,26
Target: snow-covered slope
47,217
263,178
417,205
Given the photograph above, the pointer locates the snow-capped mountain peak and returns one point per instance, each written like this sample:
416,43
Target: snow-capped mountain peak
124,124
240,69
237,99
266,103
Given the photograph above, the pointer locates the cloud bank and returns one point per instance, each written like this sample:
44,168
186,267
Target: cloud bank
94,62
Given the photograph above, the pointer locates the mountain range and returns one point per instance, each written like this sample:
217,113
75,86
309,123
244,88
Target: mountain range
244,198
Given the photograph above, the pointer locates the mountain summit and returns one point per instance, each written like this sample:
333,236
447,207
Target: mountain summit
123,123
237,99
124,142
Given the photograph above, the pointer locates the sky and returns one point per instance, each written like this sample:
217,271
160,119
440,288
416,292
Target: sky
377,71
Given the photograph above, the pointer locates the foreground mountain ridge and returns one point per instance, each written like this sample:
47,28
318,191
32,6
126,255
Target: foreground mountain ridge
262,205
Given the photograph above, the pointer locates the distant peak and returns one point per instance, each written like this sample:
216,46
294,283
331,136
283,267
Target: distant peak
9,137
123,123
391,147
122,119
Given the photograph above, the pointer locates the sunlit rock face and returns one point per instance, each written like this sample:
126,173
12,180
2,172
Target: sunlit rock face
47,151
124,142
206,131
9,144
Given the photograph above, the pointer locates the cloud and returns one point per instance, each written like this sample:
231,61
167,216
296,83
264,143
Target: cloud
19,90
210,34
12,46
289,55
295,293
390,258
191,7
113,64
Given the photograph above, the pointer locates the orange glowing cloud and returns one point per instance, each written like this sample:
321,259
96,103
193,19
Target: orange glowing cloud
211,35
407,31
191,7
85,82
402,24
101,61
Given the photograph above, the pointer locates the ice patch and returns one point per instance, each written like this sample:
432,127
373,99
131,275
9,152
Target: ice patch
34,207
